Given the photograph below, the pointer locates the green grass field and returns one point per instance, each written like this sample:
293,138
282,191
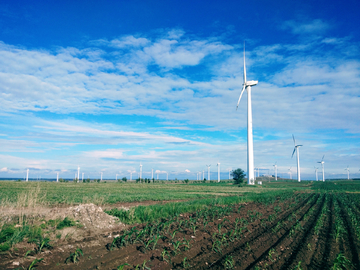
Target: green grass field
111,192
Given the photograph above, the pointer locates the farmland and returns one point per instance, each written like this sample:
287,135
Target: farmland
284,225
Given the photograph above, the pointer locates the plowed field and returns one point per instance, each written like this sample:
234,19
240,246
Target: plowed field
305,231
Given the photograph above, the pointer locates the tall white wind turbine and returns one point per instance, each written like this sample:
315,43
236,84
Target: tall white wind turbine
57,177
152,174
27,175
348,172
296,148
208,166
78,177
250,146
275,168
101,174
322,165
218,164
82,177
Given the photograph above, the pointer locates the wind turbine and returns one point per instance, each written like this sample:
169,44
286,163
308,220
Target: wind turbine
316,173
208,166
275,167
101,174
218,164
322,165
290,173
27,175
296,148
57,177
250,147
348,172
82,178
152,174
78,177
140,176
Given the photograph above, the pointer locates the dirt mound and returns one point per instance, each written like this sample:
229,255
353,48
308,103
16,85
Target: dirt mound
90,215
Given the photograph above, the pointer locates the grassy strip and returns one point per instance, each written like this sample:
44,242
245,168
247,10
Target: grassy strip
143,214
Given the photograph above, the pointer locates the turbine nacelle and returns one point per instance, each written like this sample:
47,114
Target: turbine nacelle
251,83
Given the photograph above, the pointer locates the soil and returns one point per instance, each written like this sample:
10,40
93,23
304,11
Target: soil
280,235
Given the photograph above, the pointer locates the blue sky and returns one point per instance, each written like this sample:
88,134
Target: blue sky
107,85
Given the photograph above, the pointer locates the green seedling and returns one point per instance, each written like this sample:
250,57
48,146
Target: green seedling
176,246
248,247
43,243
341,262
74,257
298,266
194,228
121,267
229,262
186,243
163,254
33,263
185,264
271,253
144,267
173,234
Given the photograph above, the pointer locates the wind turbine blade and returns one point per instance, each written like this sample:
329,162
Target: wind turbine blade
294,139
242,91
323,158
293,152
244,66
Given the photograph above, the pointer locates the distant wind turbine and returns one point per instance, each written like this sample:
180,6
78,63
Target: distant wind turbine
208,166
101,174
27,175
140,176
296,148
82,178
322,165
290,173
275,168
152,173
250,147
316,173
57,177
348,172
218,164
78,176
130,176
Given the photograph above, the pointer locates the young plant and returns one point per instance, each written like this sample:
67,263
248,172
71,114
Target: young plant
43,243
121,267
74,257
33,263
229,262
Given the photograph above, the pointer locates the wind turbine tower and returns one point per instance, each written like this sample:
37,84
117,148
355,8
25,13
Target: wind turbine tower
275,168
82,177
101,176
27,175
348,172
57,177
208,166
130,176
322,165
316,174
152,173
250,146
218,164
140,171
290,173
78,177
296,148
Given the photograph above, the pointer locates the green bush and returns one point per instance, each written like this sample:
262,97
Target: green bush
4,246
